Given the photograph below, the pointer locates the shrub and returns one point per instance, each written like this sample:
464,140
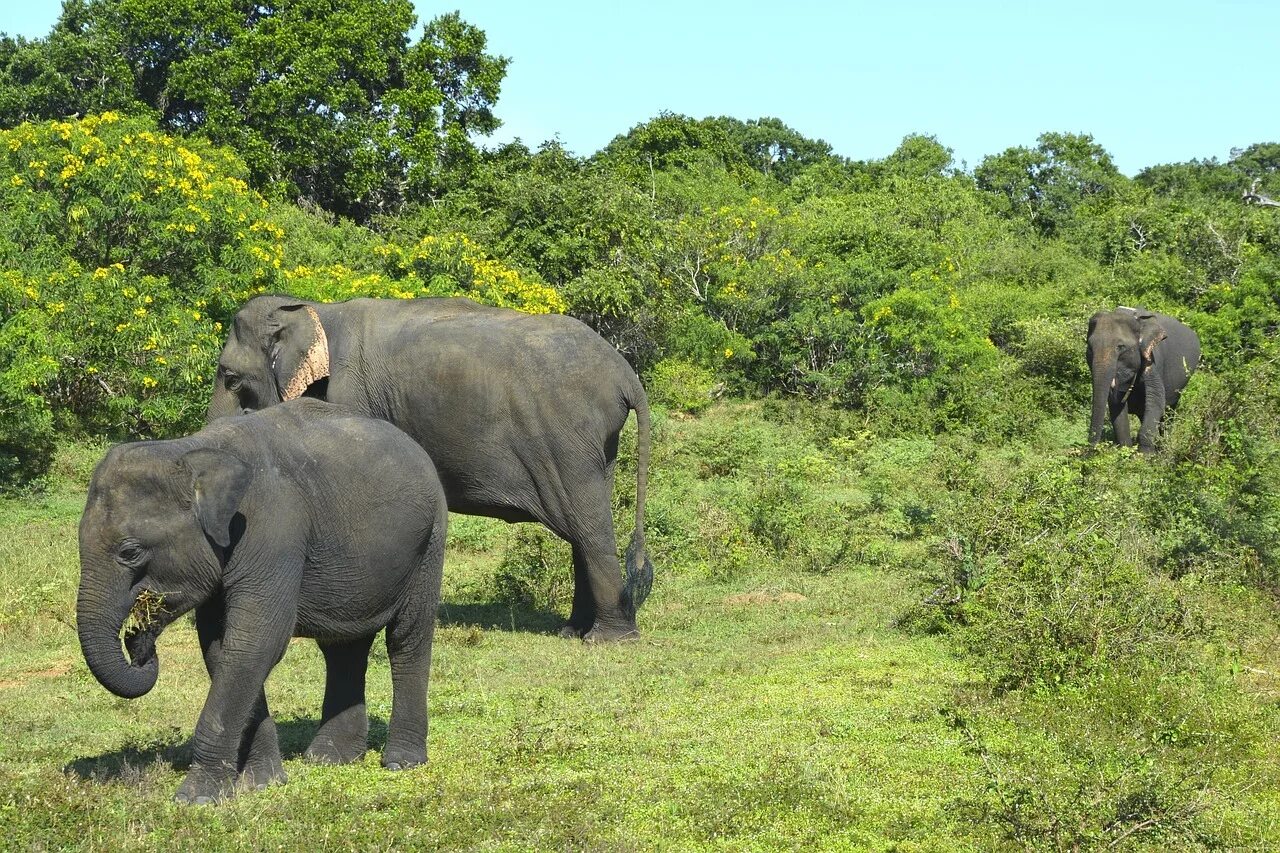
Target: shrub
536,571
680,385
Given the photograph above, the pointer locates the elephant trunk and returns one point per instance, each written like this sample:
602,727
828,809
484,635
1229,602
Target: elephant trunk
101,611
1104,374
222,403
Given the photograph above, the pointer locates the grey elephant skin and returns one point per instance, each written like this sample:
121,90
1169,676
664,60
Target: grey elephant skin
1140,362
303,521
520,413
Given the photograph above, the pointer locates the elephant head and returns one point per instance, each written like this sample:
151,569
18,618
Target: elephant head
1122,345
276,349
158,523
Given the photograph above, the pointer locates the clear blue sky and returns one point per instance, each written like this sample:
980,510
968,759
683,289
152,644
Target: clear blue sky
1153,82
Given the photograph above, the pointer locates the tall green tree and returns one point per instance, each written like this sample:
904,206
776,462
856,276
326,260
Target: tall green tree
1046,184
773,148
328,101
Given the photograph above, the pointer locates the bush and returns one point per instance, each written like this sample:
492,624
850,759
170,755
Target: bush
536,571
680,385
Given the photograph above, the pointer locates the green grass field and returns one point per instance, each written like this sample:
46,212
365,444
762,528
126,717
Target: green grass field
768,706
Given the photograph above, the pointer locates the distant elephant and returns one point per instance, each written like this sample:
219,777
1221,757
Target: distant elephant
300,521
521,414
1140,362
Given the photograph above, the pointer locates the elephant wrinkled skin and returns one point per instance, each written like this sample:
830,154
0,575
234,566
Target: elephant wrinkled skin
304,520
1140,362
520,413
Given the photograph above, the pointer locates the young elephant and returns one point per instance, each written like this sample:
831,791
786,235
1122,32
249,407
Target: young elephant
300,520
1140,362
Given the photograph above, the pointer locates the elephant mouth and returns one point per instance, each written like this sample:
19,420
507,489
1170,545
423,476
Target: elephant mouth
140,643
147,618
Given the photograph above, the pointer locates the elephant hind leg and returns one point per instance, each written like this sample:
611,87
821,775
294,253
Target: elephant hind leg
344,722
582,616
583,516
599,574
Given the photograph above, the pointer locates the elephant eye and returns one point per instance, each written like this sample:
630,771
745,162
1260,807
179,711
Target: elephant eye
232,380
131,553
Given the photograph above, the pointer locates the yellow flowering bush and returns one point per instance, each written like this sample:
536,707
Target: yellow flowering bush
126,253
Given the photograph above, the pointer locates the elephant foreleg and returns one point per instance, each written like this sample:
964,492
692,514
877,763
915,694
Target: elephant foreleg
344,725
259,762
251,644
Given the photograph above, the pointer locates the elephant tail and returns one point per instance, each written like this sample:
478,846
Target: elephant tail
639,571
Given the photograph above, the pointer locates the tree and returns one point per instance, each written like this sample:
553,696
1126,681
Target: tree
772,147
1046,184
919,156
328,101
674,141
1251,170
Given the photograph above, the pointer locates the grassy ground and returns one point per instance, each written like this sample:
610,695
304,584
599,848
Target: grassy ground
751,716
775,701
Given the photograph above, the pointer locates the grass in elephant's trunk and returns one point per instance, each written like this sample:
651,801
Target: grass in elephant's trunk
143,625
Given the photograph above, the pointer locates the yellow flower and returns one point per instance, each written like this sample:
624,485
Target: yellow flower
17,181
728,352
148,382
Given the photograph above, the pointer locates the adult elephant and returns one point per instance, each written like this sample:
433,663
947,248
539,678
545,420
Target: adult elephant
520,413
1140,362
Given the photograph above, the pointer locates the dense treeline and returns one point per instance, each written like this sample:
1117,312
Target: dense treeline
922,325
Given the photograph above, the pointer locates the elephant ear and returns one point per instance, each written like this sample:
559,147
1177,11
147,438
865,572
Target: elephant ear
218,484
1150,334
298,349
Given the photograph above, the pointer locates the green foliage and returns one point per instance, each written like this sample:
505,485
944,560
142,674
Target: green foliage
536,571
373,120
125,251
1046,186
128,251
680,385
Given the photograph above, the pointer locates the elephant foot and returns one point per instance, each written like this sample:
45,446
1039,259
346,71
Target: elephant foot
341,740
401,758
262,765
603,633
326,750
258,775
571,632
203,786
